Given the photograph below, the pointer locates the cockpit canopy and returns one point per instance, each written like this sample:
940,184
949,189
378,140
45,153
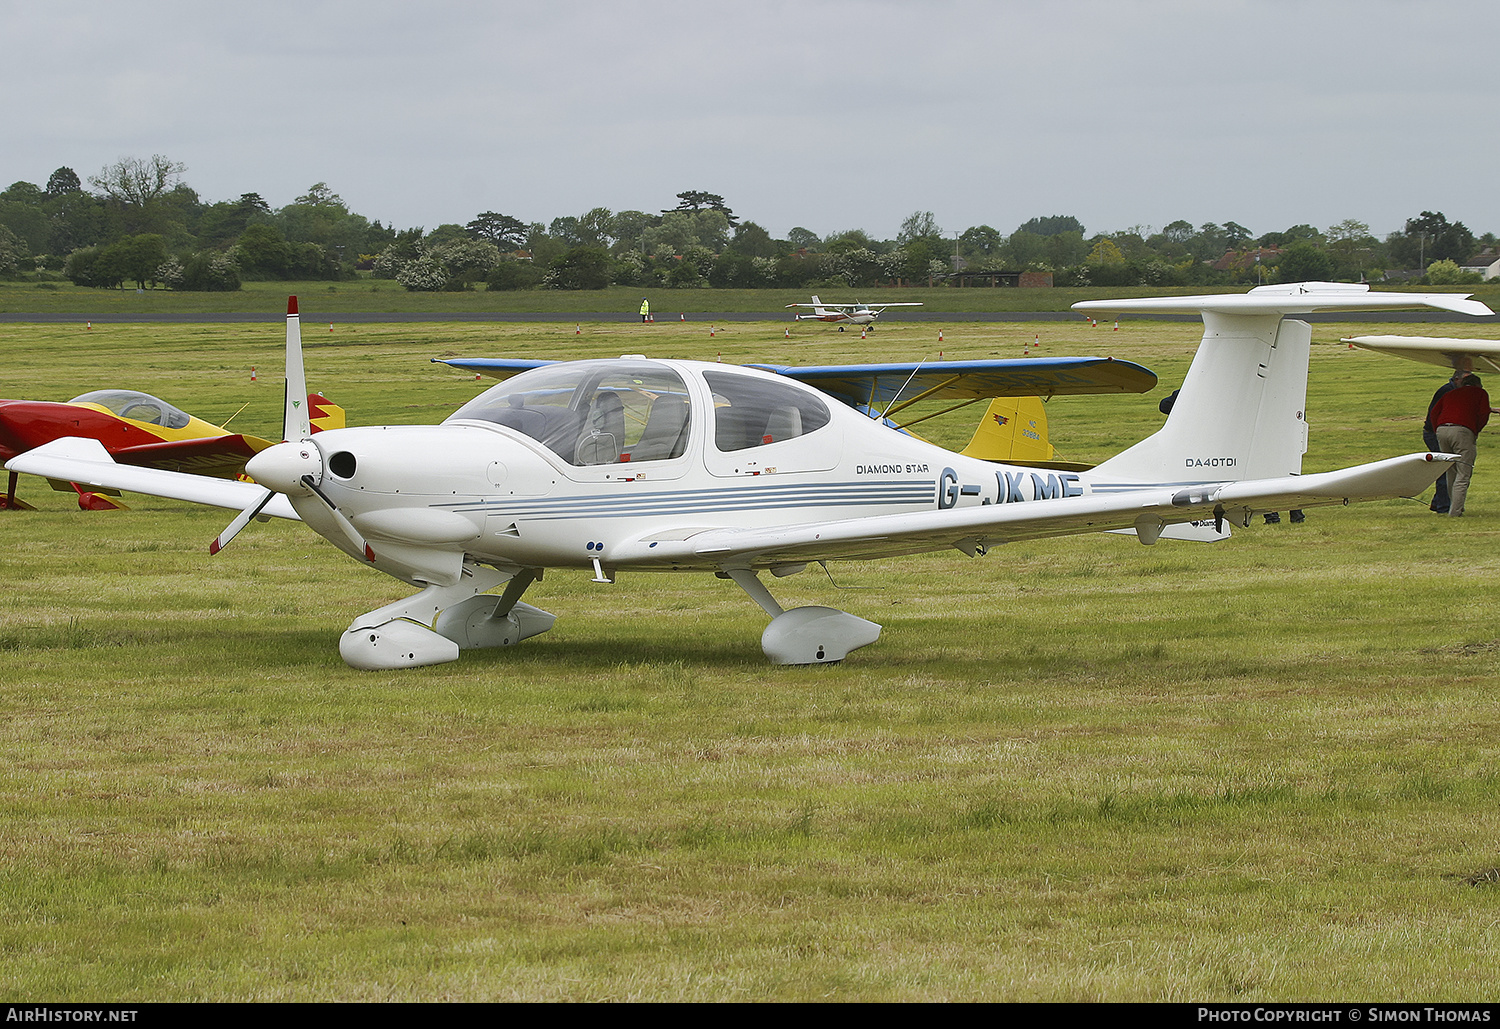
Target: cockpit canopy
137,406
629,410
592,412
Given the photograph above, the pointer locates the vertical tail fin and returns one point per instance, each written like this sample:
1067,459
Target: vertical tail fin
1012,429
1240,414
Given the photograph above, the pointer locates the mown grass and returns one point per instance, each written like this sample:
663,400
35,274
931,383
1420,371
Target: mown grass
1070,770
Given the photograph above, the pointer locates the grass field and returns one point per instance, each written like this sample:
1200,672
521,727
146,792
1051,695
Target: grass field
1081,769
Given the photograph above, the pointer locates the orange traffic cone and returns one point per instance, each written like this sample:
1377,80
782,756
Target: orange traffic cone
252,374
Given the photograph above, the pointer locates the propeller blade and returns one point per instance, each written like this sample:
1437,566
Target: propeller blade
296,423
343,522
240,521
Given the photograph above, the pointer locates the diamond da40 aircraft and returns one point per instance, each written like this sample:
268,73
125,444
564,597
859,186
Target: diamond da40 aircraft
634,464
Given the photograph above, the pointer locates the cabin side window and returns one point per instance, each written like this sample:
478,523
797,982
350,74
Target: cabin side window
750,411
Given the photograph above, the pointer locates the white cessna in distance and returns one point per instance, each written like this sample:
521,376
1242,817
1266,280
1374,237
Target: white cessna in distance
845,314
633,464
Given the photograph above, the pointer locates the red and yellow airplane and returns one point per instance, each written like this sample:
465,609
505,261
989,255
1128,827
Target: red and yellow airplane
139,429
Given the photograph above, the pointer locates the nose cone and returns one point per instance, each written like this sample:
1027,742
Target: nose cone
282,467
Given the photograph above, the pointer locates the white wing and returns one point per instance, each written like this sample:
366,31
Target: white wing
1465,354
85,461
970,529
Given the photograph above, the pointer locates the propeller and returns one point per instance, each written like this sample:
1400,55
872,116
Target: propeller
296,461
343,522
240,521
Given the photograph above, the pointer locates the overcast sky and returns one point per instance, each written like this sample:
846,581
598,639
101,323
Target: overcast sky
829,114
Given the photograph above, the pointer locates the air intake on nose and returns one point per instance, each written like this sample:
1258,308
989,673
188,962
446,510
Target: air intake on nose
342,464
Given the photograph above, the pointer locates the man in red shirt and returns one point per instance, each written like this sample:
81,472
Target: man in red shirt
1459,415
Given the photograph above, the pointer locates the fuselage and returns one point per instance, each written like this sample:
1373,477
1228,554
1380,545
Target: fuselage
851,316
570,464
119,419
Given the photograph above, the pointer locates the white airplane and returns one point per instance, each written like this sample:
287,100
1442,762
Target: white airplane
845,314
638,465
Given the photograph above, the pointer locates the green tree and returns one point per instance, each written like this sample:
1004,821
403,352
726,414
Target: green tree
62,182
581,268
1054,225
981,241
628,229
509,274
134,187
750,240
920,225
262,252
1304,261
320,216
1304,233
1431,237
503,230
13,253
136,258
1446,272
1352,247
1236,235
1105,252
209,271
695,200
804,239
849,239
26,220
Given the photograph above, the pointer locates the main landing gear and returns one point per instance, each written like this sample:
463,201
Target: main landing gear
805,635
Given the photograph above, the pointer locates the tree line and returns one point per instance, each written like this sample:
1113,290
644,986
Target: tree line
137,222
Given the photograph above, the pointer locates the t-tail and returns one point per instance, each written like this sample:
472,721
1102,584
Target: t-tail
1241,412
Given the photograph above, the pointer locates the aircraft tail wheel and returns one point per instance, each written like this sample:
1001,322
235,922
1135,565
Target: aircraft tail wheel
395,644
815,636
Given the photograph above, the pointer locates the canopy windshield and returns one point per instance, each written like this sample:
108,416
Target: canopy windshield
592,412
140,407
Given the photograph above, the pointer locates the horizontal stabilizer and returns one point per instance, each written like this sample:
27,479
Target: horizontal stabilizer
85,461
1289,298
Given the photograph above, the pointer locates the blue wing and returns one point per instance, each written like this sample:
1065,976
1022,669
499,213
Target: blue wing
864,384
